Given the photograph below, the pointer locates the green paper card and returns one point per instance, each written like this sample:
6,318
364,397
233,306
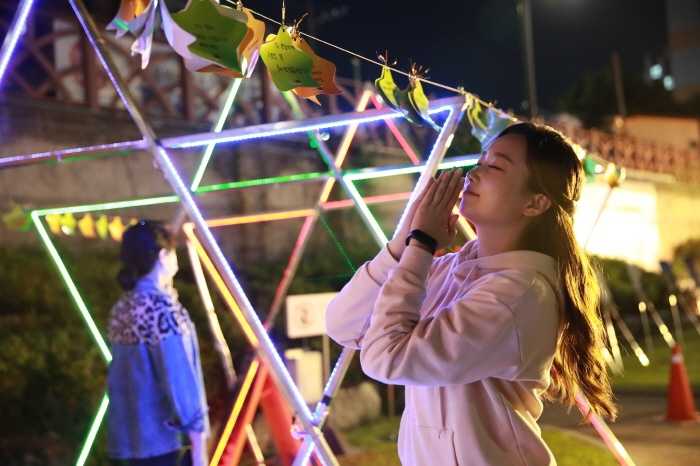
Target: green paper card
387,88
288,66
218,31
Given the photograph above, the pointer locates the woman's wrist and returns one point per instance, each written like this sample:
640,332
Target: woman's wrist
416,243
396,248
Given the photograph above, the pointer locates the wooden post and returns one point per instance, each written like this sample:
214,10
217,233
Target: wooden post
90,74
187,92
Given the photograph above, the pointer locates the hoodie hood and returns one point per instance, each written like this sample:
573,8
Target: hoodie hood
519,259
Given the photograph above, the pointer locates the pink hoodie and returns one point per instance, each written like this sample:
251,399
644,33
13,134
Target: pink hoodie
472,339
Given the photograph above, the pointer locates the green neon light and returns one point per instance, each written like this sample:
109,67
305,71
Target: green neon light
352,175
108,206
121,24
218,126
298,114
82,307
263,181
292,101
337,243
92,433
172,199
73,290
365,174
360,203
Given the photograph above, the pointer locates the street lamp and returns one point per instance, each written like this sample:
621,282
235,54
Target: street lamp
525,12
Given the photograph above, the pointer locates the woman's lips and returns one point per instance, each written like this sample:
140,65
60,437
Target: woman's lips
469,192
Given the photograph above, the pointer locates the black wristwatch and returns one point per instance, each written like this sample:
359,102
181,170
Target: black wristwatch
423,238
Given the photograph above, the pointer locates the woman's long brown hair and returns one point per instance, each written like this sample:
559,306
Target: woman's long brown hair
556,171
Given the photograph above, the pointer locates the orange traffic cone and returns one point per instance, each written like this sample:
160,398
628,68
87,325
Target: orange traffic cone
681,406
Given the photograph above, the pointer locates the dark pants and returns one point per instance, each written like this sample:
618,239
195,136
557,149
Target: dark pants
175,458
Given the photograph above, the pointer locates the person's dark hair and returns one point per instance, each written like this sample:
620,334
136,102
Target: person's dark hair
556,171
141,244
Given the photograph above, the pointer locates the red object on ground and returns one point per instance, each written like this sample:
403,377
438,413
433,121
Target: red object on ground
681,405
237,441
279,420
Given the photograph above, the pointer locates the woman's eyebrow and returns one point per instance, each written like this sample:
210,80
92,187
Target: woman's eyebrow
501,154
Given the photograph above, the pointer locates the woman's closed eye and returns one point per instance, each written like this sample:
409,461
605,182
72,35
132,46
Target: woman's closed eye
495,167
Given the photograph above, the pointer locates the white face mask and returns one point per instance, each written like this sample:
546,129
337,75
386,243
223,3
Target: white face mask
168,261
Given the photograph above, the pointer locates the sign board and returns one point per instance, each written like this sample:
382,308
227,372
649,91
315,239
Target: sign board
306,314
305,369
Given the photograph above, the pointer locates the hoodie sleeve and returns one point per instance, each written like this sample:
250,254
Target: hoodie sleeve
347,315
468,340
176,363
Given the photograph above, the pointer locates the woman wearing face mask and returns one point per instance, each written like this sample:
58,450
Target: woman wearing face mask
155,384
481,336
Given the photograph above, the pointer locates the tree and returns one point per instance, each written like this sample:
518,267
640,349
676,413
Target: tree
592,98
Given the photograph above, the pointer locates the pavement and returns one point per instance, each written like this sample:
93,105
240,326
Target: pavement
648,438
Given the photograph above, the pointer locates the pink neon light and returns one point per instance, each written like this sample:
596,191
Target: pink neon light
346,203
305,231
397,134
607,435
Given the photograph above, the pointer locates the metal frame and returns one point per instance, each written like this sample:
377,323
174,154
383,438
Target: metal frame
314,440
352,120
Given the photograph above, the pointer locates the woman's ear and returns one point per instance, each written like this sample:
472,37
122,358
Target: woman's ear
537,205
163,256
168,260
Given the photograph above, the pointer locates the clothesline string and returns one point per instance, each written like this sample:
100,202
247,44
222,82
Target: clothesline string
375,62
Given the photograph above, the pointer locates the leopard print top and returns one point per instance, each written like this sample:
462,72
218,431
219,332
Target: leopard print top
147,316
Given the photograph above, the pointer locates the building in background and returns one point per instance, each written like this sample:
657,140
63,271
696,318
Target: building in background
683,22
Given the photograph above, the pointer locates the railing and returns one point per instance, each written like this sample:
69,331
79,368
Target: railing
55,62
637,154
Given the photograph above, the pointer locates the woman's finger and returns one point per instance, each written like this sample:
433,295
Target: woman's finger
440,189
425,190
434,184
457,190
430,192
448,198
452,225
417,202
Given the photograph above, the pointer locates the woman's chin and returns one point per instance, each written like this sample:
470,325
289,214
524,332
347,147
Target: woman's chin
464,209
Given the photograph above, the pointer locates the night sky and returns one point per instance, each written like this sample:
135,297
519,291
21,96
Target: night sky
477,43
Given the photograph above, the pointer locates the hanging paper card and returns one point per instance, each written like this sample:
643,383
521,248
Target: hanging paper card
130,9
387,88
218,30
420,104
405,106
250,46
116,229
614,175
179,40
102,227
68,224
322,71
131,17
496,122
86,225
144,42
474,114
411,102
248,50
591,168
54,222
288,66
17,219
